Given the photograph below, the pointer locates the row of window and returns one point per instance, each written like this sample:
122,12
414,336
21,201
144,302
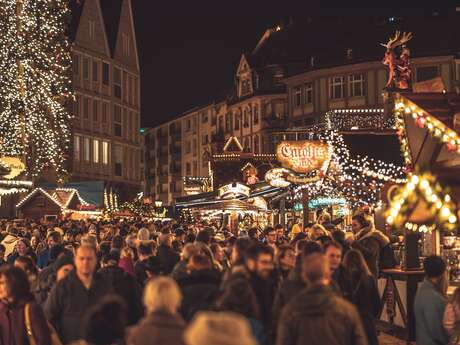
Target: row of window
352,85
91,150
125,85
99,111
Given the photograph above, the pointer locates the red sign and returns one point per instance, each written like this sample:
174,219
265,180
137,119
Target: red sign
303,156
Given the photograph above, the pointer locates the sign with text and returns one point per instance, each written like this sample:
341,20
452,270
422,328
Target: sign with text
15,165
232,190
303,156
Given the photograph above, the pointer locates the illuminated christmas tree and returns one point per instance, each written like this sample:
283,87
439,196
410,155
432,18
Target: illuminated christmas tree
35,83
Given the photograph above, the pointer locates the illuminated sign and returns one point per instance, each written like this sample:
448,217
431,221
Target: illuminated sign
232,190
16,166
277,177
303,156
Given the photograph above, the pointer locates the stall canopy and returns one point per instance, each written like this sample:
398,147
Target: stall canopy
90,191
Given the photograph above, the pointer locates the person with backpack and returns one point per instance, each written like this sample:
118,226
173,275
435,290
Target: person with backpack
369,241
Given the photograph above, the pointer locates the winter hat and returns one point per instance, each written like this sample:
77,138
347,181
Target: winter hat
219,329
143,234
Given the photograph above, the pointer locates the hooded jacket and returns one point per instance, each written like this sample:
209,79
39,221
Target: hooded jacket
317,316
370,241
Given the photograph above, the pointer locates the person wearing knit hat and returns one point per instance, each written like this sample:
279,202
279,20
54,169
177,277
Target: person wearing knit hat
63,265
296,229
222,328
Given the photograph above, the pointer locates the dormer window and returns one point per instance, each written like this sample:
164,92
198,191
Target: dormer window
245,87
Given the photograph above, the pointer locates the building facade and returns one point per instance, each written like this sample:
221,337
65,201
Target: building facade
285,82
106,138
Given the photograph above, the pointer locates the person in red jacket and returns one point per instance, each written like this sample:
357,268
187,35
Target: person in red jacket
15,297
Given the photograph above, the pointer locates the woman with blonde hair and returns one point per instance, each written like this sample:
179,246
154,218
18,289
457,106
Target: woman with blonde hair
318,232
162,323
365,294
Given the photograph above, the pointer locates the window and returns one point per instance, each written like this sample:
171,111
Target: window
91,26
77,105
118,159
356,85
85,68
188,125
256,114
194,124
117,127
105,73
237,121
188,147
228,122
188,169
245,87
105,152
76,147
105,112
194,147
96,151
308,93
279,110
245,118
195,168
213,119
95,71
126,44
297,96
336,85
426,73
205,139
76,64
247,145
86,149
221,123
117,82
204,117
256,144
85,107
95,110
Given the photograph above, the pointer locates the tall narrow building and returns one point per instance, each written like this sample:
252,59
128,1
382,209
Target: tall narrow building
106,139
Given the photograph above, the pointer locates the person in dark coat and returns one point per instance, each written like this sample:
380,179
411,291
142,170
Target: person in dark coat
341,278
72,296
145,250
105,323
15,295
200,287
369,241
294,284
54,238
167,256
365,294
162,323
123,285
238,297
317,315
263,279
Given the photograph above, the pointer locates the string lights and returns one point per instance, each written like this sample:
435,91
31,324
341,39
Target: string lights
35,76
440,208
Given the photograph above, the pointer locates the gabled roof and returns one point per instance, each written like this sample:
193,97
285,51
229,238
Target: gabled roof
62,197
111,11
76,9
233,145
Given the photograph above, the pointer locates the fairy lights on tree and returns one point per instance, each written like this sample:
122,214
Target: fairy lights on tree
35,77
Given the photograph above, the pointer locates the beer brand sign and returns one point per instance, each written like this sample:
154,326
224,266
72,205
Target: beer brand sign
303,156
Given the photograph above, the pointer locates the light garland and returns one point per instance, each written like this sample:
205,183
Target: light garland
423,187
35,75
42,191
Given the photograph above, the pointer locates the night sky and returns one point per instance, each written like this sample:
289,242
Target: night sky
189,53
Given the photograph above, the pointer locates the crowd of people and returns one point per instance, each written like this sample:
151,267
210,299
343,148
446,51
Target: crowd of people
136,282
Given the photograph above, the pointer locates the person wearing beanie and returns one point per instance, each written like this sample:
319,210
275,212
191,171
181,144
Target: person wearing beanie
223,328
430,303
